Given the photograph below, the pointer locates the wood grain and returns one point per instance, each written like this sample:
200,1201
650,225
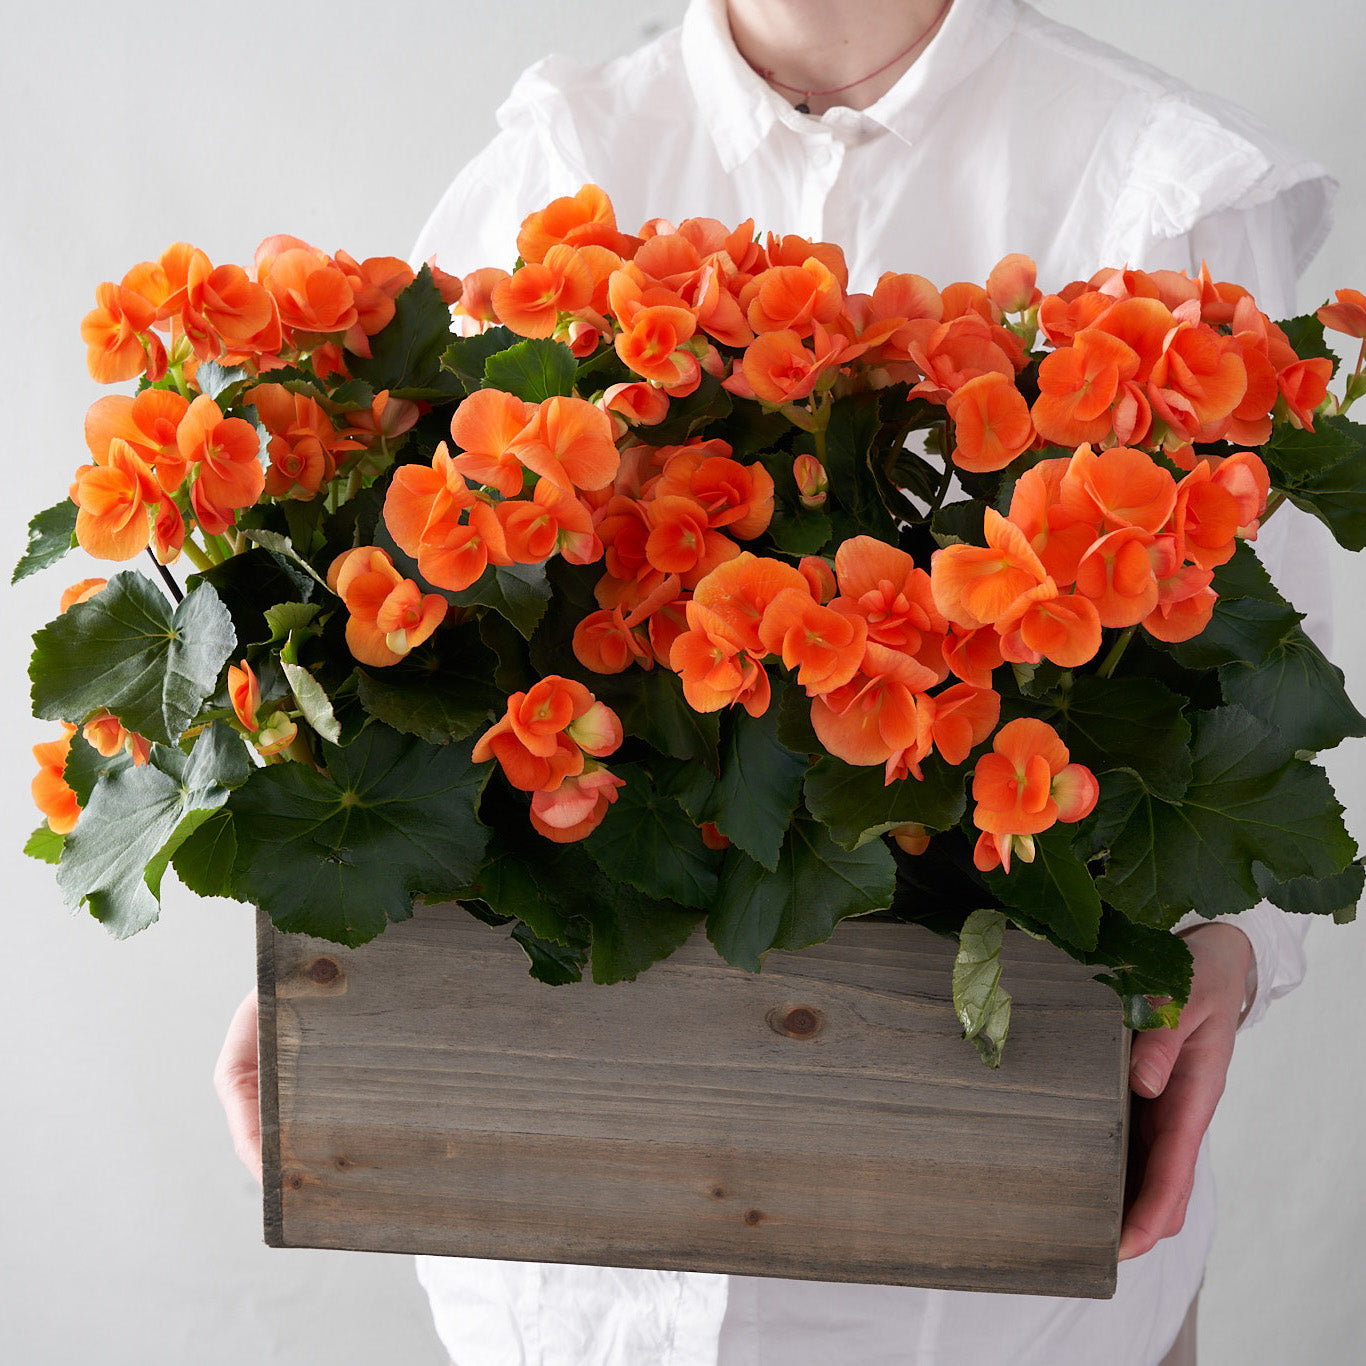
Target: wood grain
821,1119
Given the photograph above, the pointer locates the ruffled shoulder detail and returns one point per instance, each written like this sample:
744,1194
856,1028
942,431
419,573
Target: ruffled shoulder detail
1195,156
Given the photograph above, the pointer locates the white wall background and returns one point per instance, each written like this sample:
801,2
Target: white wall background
129,1234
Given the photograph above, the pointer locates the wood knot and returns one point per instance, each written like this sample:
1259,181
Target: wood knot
797,1022
295,1183
754,1216
323,971
342,1162
718,1193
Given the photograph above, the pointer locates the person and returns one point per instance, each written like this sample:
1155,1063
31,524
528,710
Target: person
933,136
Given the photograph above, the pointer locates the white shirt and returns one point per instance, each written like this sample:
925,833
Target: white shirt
1010,133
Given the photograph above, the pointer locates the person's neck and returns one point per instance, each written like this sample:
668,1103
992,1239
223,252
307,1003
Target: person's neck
804,47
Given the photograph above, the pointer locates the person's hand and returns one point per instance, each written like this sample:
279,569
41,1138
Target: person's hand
1180,1073
237,1080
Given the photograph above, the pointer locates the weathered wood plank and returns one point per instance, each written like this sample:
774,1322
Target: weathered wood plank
820,1119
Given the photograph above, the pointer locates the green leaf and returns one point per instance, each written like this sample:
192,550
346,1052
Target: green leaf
1143,962
284,547
1305,335
1299,692
341,853
800,531
960,524
519,592
285,618
1249,801
1242,631
465,357
1133,723
442,693
647,840
631,931
252,584
50,535
981,1003
44,844
1324,472
111,859
85,766
516,881
313,701
857,806
1336,895
1054,890
752,800
534,370
213,379
854,483
126,649
405,357
203,860
552,963
652,706
816,885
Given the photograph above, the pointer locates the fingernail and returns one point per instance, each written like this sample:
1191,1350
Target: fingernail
1145,1076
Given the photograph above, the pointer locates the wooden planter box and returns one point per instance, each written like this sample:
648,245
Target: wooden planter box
822,1119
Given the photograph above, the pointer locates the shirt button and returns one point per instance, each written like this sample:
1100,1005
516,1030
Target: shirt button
823,154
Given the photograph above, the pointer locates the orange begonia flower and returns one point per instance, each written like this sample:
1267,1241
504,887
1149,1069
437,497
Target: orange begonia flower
1303,386
1022,787
51,792
1121,486
105,733
634,405
976,585
226,453
874,716
960,349
824,644
552,521
375,283
531,300
960,718
542,737
586,216
244,693
715,668
778,368
148,423
604,643
81,591
485,427
1079,387
569,442
310,290
792,298
1045,624
653,345
991,423
1185,605
735,496
112,496
226,314
1205,518
1011,284
1059,537
973,654
389,615
1348,315
115,334
304,447
1116,574
739,593
1197,382
575,808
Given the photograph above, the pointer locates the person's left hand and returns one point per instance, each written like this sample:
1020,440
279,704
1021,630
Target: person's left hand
1180,1073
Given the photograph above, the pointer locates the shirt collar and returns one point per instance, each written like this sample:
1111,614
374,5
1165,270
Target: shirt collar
739,108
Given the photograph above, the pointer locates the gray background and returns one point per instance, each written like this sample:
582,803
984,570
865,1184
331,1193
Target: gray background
129,1234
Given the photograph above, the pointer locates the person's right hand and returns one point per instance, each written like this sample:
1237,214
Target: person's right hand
237,1080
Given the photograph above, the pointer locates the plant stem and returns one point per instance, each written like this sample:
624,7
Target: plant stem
196,556
172,586
1107,668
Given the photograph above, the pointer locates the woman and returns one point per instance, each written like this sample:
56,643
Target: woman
934,137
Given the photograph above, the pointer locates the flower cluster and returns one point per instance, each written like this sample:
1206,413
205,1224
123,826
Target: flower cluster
825,573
